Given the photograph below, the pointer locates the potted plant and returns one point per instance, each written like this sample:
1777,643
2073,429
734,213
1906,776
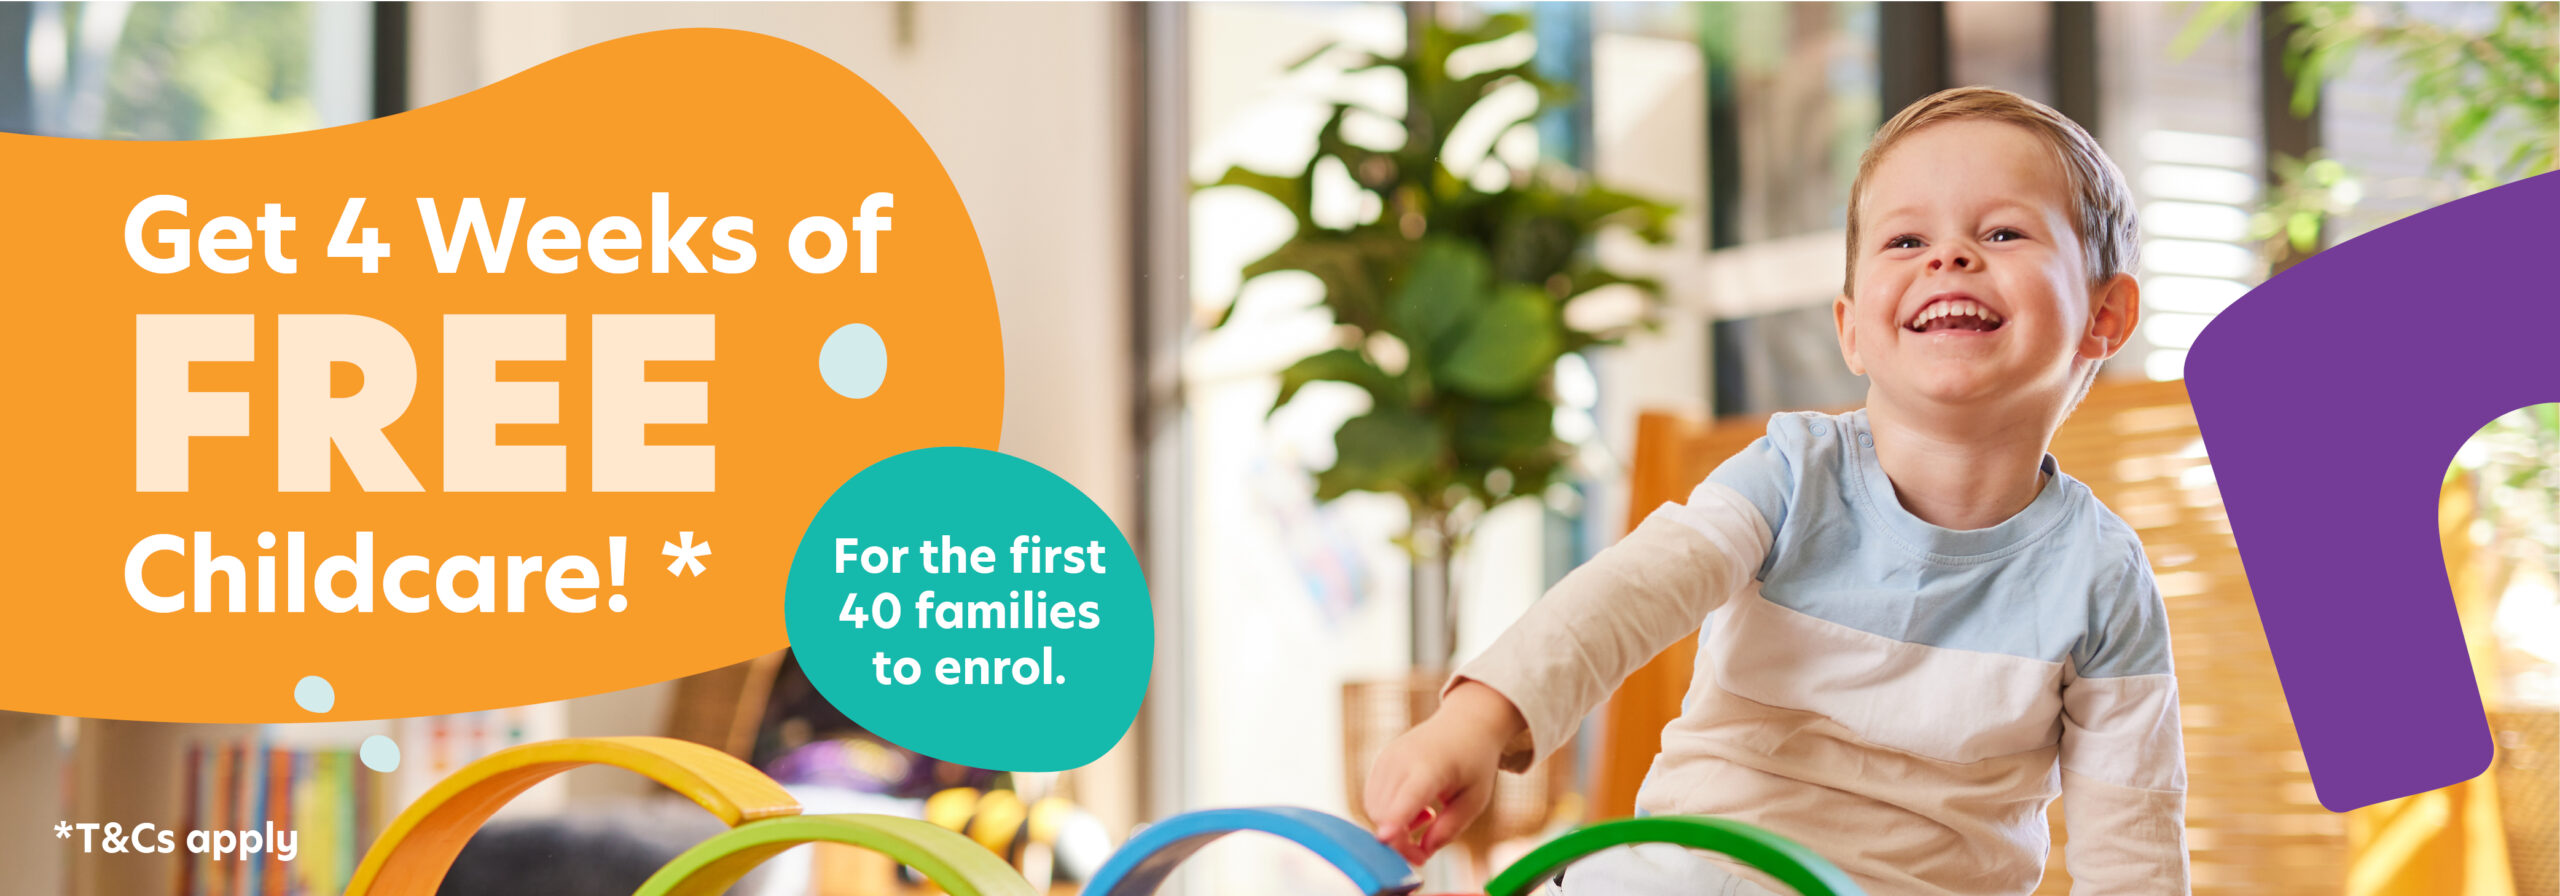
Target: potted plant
1454,303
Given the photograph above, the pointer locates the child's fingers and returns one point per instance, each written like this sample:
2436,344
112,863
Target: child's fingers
1403,816
1459,811
1394,815
1408,839
1378,796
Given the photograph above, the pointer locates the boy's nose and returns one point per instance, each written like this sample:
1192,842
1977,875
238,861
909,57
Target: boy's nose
1941,262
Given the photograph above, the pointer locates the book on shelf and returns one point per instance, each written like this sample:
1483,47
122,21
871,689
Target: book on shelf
254,784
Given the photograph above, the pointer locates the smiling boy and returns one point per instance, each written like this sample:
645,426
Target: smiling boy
1917,630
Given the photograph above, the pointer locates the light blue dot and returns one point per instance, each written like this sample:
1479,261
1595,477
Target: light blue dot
379,754
313,693
854,361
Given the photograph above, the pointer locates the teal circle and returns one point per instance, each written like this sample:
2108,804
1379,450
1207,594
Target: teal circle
379,753
854,361
1062,696
314,694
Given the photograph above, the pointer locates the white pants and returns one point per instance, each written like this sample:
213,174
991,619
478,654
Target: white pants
1653,869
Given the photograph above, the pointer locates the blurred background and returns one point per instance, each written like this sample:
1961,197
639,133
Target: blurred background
1382,316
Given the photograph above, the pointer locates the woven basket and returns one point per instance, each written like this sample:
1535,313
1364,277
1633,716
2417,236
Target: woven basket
2254,824
2528,769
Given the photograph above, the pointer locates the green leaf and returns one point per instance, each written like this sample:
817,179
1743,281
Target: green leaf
2528,61
1583,276
1531,480
1450,103
1372,169
1370,62
1533,247
2207,18
1493,28
2303,231
1386,450
1292,192
1507,347
1602,207
1338,365
1310,58
1505,434
2463,127
1351,268
1447,284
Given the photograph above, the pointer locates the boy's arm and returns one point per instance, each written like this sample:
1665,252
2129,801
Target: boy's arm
1524,696
1613,614
2124,769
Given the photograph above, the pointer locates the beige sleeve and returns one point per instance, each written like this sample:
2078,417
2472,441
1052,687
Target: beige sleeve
2124,839
1612,615
2124,787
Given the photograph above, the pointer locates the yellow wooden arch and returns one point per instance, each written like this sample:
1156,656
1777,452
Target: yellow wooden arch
411,857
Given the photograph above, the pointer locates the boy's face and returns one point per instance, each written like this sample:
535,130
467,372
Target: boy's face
1972,289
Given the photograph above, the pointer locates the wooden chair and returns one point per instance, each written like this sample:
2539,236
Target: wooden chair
721,708
2254,825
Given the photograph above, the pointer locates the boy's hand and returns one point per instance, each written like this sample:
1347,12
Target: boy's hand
1430,782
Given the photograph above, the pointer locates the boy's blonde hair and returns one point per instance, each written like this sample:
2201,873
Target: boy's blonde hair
2109,241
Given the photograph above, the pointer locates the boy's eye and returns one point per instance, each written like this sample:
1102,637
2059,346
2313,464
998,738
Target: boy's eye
2005,234
1905,241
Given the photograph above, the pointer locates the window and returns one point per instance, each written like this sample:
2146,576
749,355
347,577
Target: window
184,71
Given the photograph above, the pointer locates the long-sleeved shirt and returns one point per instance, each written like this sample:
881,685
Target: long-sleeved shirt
1901,698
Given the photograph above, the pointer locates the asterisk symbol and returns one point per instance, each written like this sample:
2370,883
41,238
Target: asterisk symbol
688,554
62,830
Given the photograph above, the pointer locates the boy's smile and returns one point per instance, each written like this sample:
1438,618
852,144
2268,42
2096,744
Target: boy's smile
1972,287
1954,312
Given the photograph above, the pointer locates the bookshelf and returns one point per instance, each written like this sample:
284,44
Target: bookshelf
184,777
32,791
55,769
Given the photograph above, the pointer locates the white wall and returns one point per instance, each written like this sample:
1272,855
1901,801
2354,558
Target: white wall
1027,106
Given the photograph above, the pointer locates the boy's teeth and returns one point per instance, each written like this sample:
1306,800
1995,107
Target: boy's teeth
1965,307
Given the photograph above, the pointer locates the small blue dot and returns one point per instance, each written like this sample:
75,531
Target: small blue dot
854,361
313,693
379,754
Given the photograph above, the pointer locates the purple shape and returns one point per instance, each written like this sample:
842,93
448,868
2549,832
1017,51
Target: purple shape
2331,400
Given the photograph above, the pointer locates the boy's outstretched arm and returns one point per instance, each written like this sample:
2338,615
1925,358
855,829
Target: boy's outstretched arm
1524,696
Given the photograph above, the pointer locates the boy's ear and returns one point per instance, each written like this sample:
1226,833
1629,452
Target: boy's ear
1848,334
2114,309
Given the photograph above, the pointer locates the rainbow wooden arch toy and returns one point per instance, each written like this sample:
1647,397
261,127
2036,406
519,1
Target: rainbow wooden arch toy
1778,856
953,862
414,852
1141,865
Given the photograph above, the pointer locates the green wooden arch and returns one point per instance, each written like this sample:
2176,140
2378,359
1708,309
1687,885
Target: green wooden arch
955,863
1779,857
